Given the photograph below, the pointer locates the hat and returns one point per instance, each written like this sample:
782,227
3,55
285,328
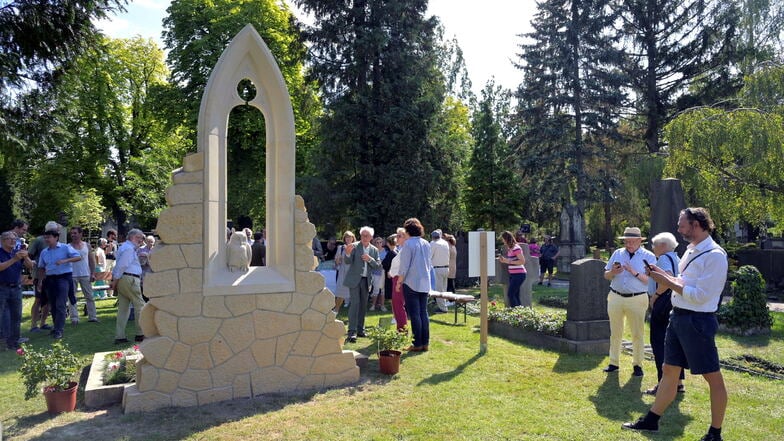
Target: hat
632,233
436,234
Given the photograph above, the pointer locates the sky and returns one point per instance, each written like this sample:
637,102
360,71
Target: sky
486,31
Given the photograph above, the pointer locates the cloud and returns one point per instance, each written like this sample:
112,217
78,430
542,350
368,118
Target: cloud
114,27
153,4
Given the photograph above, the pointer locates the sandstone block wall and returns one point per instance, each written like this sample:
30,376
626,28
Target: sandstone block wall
202,349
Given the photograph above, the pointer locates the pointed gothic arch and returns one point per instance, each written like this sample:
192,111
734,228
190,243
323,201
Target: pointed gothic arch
248,57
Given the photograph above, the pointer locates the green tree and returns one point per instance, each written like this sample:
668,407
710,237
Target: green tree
196,32
733,160
104,135
39,40
570,102
667,45
494,195
379,158
86,210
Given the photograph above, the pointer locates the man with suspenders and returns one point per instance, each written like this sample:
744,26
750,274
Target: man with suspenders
690,339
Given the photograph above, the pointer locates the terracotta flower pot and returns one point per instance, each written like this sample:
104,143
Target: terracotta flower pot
60,401
389,362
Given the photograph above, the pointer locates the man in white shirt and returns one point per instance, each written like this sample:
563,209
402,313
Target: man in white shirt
439,255
690,339
127,283
628,297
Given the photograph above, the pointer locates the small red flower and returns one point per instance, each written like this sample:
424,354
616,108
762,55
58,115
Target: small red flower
118,354
20,352
492,303
135,347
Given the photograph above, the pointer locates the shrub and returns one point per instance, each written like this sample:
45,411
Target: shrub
748,308
550,323
388,338
52,367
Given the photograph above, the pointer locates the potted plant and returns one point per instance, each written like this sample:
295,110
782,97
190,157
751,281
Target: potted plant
388,342
53,368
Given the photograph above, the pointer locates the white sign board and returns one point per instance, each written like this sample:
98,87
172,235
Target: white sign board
474,238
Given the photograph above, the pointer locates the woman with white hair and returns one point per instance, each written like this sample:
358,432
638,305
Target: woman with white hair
664,245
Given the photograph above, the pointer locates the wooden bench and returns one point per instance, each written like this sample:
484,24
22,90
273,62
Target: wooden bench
461,301
105,276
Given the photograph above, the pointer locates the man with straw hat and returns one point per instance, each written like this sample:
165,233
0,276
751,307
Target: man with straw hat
628,297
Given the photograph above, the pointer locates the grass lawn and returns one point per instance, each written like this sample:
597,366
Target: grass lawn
452,392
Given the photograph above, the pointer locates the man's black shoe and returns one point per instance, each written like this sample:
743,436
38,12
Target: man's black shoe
711,437
118,341
351,339
641,425
361,334
610,368
139,338
637,371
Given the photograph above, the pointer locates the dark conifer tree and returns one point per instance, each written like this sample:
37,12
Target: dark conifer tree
570,103
494,194
667,45
378,65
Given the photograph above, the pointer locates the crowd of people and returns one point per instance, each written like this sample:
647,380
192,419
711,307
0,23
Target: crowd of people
57,271
399,267
682,294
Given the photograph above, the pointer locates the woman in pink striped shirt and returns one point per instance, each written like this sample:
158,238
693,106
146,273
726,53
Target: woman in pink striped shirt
514,258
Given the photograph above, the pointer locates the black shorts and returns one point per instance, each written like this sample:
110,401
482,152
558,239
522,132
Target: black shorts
40,294
690,342
546,265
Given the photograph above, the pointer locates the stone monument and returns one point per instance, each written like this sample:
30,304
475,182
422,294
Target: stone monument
587,323
667,201
531,277
212,334
571,246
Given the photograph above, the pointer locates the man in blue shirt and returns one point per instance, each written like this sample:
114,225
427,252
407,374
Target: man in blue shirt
10,285
19,227
55,269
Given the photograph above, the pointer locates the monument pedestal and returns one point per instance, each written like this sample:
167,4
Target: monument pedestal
587,330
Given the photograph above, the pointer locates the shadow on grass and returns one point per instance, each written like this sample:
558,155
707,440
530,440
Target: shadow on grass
568,363
448,376
111,423
625,403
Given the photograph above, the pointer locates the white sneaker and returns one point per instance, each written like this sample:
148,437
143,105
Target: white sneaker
384,308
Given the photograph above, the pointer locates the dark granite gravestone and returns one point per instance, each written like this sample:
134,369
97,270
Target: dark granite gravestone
586,315
666,204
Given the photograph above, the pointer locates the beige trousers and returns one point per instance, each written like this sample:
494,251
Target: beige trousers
129,291
633,309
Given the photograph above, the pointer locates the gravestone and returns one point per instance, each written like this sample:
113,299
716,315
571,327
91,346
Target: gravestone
587,322
532,276
211,334
571,245
667,201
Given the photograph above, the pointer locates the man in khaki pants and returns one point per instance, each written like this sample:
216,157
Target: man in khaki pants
127,285
628,297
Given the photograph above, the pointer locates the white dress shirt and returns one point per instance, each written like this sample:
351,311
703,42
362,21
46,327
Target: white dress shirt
703,279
